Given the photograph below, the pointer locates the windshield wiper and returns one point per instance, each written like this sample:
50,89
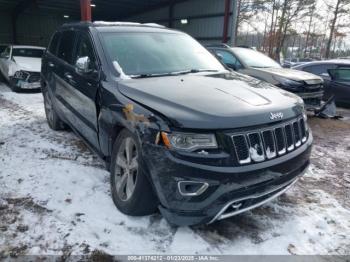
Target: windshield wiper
191,71
149,75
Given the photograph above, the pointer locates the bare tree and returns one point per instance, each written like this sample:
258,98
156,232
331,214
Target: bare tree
341,7
311,15
246,9
291,9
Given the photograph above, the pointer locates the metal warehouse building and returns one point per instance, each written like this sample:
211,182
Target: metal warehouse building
33,21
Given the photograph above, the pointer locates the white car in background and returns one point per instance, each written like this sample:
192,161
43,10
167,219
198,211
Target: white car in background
21,66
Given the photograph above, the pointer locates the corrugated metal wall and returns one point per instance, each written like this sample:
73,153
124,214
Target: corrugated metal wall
206,20
33,27
205,17
5,28
36,28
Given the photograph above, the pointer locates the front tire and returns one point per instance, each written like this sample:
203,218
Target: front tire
52,118
131,191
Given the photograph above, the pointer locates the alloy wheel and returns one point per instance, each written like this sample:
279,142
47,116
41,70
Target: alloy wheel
126,169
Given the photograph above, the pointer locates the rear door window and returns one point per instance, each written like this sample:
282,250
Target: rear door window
341,74
54,44
66,46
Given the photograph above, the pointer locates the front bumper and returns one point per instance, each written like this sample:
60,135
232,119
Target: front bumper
30,81
312,100
230,191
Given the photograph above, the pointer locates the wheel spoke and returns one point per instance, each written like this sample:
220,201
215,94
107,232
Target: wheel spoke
134,163
121,161
121,184
130,186
128,149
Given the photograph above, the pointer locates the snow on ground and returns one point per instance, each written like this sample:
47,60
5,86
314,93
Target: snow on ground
55,199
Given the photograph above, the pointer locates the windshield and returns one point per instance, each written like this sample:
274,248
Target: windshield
158,53
28,52
255,59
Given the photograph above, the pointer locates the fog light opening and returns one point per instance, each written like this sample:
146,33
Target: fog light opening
192,188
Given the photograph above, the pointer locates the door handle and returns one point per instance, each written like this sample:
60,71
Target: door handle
51,64
69,78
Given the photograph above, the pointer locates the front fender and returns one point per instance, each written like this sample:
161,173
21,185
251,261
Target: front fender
118,112
12,68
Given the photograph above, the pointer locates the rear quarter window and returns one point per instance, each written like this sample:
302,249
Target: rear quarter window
66,46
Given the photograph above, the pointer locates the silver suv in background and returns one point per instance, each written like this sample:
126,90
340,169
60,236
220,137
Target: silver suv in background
256,64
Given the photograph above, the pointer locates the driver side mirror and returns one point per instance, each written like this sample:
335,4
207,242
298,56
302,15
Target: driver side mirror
83,65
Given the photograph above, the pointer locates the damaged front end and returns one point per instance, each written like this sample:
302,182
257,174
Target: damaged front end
311,91
25,80
204,185
205,164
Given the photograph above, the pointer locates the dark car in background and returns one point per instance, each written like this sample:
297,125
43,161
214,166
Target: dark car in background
256,64
177,130
288,63
334,73
339,86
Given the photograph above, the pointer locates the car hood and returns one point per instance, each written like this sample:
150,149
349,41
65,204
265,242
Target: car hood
292,74
28,63
215,101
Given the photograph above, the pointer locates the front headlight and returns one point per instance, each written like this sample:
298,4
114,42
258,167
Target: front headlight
189,141
285,82
22,75
305,120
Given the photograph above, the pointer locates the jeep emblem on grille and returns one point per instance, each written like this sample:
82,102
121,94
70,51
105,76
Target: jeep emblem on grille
274,116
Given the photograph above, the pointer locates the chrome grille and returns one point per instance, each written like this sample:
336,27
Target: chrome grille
256,148
289,137
241,146
280,140
269,143
261,145
33,77
297,136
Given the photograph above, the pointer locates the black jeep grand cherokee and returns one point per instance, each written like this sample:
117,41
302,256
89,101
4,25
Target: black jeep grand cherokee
177,131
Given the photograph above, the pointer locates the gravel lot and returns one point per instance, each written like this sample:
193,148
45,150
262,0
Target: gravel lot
55,199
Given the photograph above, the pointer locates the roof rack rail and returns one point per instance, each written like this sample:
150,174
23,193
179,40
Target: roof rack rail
114,23
153,25
117,23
